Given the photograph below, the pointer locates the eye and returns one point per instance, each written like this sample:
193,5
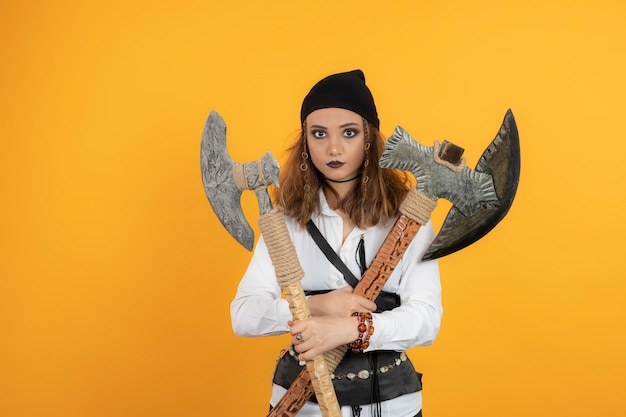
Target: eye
350,133
318,134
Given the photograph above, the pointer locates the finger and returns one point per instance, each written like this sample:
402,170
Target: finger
296,327
309,354
302,346
366,304
296,330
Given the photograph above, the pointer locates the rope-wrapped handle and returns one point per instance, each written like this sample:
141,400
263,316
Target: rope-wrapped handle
288,274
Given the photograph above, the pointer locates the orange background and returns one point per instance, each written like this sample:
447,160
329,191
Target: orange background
116,276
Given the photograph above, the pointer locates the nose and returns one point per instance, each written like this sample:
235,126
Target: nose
334,145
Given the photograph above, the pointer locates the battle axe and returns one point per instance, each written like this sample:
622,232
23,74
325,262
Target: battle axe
481,198
224,181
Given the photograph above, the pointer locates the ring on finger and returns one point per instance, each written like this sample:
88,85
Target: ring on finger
299,338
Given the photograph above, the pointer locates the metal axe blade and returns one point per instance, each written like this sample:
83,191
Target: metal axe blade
223,187
501,160
468,190
480,197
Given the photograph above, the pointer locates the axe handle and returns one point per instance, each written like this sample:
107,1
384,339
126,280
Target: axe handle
415,211
387,257
288,274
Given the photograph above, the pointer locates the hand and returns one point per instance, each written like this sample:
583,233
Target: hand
317,335
339,303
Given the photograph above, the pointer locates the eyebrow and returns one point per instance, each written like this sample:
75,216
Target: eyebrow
341,126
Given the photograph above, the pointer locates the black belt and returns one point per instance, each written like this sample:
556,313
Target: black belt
355,376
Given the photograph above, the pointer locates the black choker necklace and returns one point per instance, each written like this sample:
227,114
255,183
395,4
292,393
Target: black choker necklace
348,180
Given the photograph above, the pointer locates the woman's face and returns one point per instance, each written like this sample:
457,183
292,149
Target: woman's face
336,141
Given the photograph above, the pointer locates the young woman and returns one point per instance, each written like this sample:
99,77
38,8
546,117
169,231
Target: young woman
332,178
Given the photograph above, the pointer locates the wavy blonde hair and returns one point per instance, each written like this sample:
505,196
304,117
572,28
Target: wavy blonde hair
375,200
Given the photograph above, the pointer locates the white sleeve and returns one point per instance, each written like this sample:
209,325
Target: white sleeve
258,309
417,320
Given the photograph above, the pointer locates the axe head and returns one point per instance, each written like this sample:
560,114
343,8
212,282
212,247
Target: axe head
501,161
223,188
480,197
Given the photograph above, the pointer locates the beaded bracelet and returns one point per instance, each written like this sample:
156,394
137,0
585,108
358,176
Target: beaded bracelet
366,329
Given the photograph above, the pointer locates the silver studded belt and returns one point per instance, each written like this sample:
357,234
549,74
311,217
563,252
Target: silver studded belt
354,377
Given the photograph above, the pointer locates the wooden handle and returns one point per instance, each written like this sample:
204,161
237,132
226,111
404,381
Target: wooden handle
288,274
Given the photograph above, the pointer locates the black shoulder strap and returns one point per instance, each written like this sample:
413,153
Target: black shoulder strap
385,300
330,253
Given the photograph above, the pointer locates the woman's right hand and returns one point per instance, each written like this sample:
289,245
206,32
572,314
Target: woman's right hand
339,303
